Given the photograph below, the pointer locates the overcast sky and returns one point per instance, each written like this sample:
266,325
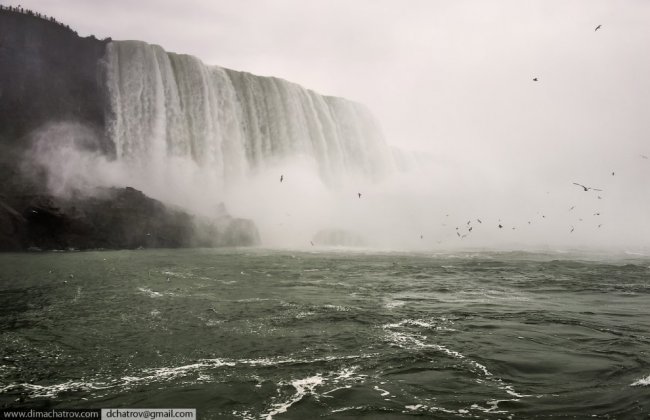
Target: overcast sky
451,77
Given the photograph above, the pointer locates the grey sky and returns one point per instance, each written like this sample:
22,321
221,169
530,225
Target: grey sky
450,77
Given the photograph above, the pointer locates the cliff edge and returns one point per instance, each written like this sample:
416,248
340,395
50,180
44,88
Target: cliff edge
49,74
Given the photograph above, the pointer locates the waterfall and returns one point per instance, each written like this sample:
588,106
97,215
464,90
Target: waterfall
166,106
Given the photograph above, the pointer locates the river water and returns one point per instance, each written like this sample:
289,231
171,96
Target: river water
263,334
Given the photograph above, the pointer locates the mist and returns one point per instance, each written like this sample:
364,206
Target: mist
448,82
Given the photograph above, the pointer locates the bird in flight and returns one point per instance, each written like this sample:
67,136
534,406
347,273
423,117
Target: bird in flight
535,79
500,226
597,27
479,220
281,178
586,188
572,229
572,207
359,195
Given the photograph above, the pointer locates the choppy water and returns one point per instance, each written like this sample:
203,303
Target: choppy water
269,334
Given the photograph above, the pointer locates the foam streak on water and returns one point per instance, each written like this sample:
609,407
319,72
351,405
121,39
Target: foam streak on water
527,338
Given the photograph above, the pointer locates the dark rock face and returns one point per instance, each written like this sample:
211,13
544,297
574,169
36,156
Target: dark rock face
49,74
114,218
13,228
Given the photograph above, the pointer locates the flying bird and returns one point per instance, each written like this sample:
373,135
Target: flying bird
572,207
281,178
586,188
470,229
359,195
534,79
572,229
597,28
500,226
479,220
612,173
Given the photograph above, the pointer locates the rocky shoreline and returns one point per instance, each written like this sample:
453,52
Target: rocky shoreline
115,218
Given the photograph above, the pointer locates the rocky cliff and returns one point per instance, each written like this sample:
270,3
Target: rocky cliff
49,74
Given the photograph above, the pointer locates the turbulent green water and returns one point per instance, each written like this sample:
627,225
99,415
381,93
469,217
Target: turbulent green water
270,334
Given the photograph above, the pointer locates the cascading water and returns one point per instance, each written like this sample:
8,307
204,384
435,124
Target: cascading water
167,108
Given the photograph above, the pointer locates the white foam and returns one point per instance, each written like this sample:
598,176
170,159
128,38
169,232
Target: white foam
642,382
394,304
510,390
244,415
163,374
340,410
175,274
422,407
149,292
409,340
449,352
249,300
337,308
494,405
303,388
51,391
383,391
411,323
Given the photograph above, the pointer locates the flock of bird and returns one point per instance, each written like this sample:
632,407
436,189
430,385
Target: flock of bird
468,228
